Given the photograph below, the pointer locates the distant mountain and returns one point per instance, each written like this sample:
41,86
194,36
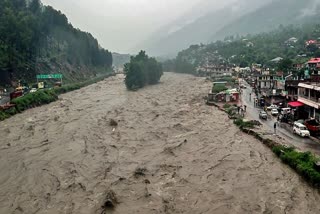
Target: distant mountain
189,30
120,59
269,17
237,17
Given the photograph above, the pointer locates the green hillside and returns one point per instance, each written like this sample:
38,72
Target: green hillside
244,51
39,39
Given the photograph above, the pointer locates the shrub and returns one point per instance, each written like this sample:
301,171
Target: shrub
226,106
31,100
302,162
3,115
243,124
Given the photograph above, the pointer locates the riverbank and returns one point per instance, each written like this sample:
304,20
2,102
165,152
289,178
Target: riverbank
305,163
46,96
168,153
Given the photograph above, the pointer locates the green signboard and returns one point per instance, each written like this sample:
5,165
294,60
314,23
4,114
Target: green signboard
49,76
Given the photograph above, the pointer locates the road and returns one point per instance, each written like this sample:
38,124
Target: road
4,100
284,131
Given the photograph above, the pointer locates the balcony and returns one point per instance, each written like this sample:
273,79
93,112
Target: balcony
312,101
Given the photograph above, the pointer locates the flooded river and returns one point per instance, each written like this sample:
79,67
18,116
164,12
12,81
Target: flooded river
169,153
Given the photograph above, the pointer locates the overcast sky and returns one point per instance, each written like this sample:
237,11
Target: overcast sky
121,24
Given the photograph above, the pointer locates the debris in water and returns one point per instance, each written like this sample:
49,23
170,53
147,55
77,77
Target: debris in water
109,202
147,181
113,123
139,172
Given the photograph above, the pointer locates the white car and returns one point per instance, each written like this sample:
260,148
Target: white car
33,90
274,112
300,129
272,107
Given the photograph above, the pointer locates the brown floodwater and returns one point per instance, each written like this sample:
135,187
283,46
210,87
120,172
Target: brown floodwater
169,153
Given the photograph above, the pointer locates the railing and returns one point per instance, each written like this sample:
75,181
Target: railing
314,99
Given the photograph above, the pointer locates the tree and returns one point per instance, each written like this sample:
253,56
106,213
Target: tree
285,65
135,78
30,31
312,48
142,71
317,53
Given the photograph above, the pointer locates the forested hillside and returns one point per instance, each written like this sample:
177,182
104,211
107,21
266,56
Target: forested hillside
39,39
246,50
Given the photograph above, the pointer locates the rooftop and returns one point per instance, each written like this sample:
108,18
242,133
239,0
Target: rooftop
314,60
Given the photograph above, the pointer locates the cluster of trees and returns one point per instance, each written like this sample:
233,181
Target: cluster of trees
142,70
246,50
31,33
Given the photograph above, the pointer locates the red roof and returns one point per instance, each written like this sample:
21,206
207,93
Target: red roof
314,60
295,104
311,41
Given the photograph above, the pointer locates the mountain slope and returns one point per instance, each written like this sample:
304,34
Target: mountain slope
177,36
39,39
269,17
241,17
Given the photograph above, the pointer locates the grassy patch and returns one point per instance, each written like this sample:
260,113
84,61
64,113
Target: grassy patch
244,124
303,162
4,115
226,106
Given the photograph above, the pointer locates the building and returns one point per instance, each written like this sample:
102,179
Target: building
314,65
265,82
297,66
293,40
309,94
276,60
271,87
268,84
215,71
312,42
292,87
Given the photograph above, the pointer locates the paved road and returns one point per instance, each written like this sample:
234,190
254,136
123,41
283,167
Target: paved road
284,131
4,100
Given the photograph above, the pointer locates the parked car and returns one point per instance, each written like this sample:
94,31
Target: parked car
33,90
274,112
16,94
313,126
300,129
269,108
263,115
284,111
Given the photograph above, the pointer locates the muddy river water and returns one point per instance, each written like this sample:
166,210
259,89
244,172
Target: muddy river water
169,153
